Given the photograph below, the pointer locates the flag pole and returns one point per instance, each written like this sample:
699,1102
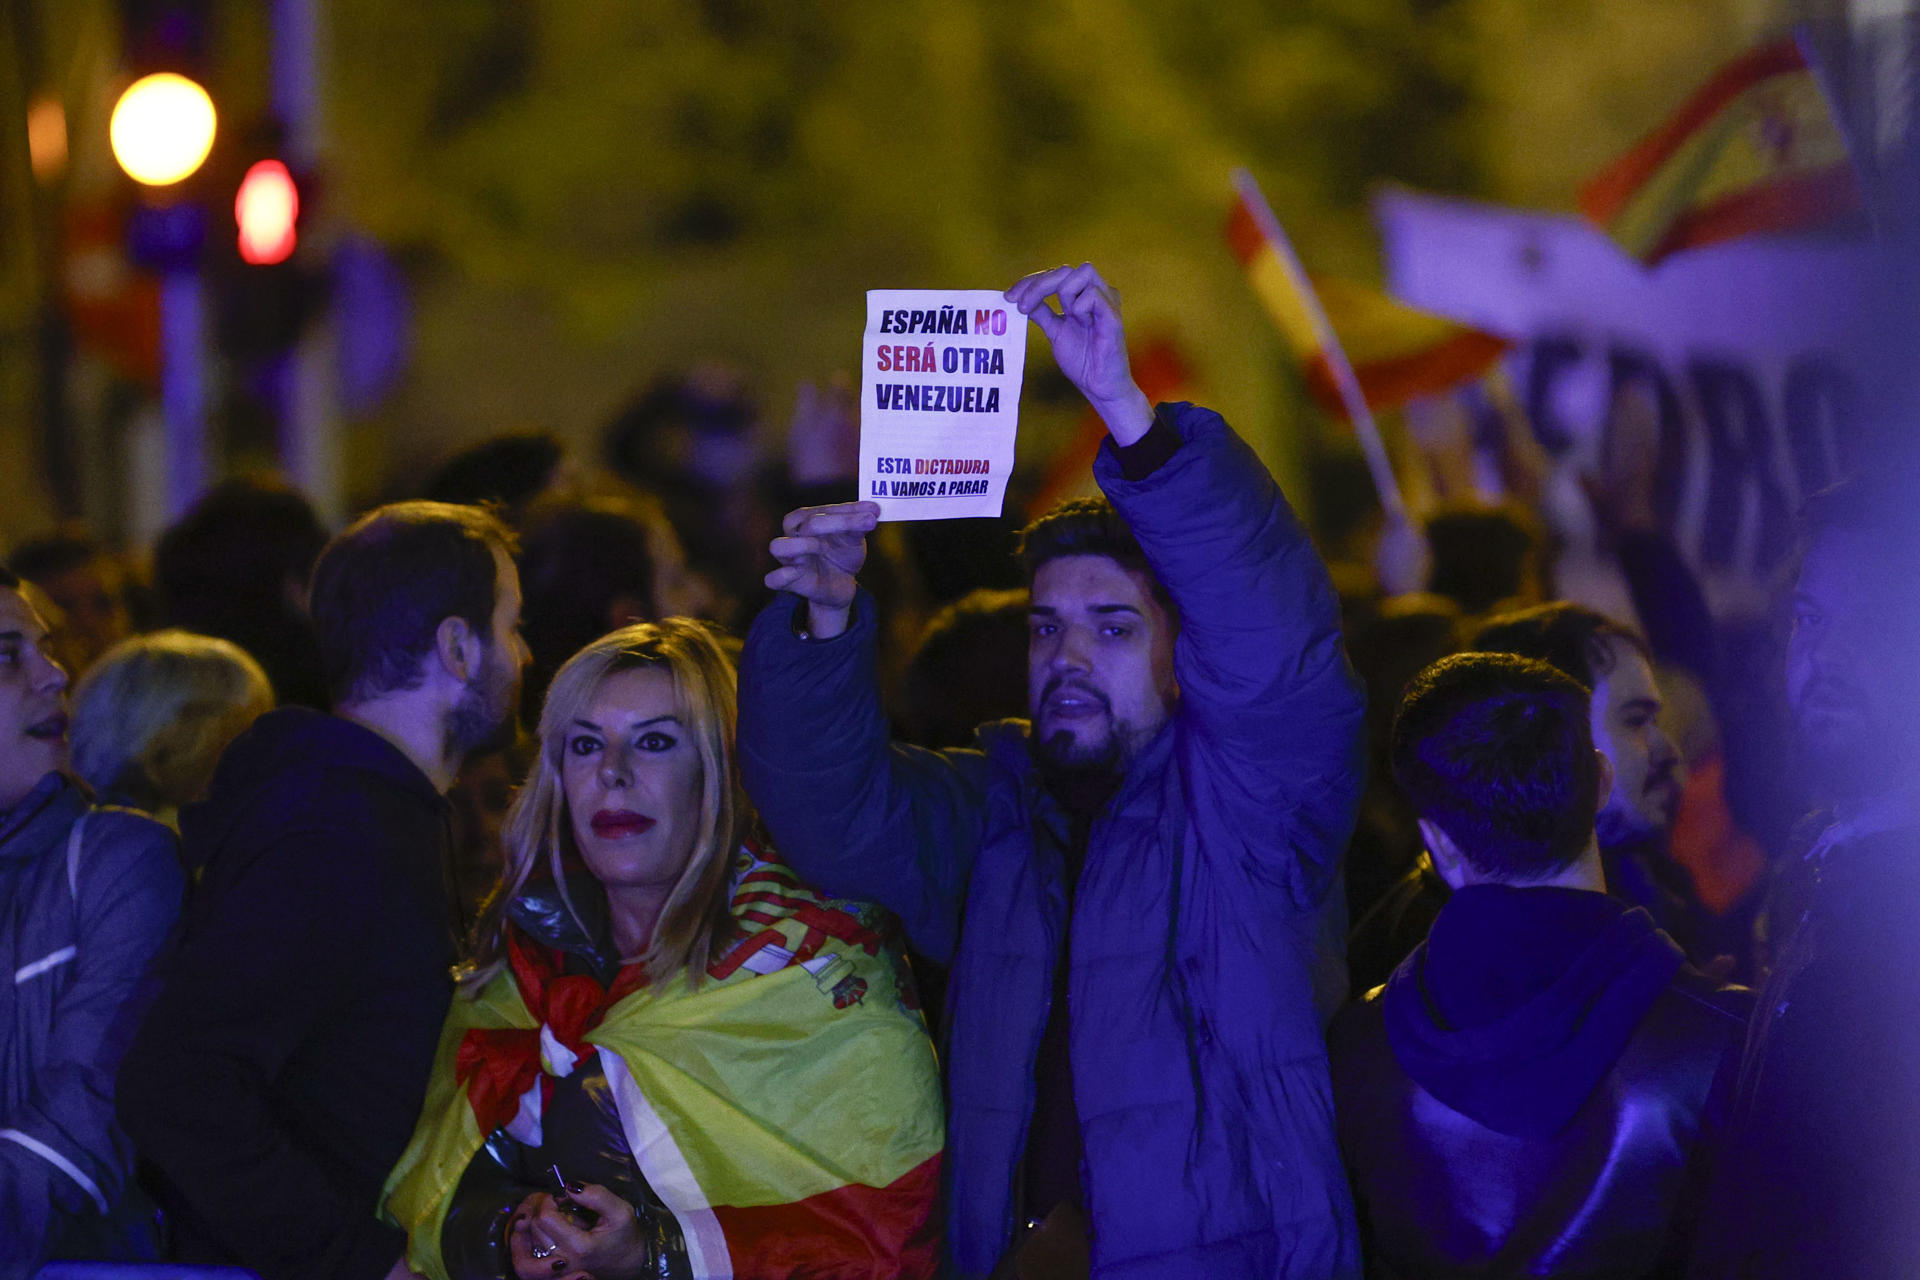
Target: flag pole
1375,449
1859,152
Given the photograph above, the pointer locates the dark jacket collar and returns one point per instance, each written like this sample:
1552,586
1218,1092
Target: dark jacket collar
540,911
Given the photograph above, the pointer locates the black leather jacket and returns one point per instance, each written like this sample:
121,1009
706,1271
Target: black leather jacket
1612,1191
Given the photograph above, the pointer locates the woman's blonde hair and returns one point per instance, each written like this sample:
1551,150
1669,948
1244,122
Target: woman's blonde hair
539,830
152,716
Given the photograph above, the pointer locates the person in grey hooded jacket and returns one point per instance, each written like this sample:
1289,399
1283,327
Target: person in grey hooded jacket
87,897
1134,891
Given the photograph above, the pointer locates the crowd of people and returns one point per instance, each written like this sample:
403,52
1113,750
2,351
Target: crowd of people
1288,918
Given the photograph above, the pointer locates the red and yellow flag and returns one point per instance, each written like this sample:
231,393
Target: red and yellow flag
1397,353
787,1111
1755,150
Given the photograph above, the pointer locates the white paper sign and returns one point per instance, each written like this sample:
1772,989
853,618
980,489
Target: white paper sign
939,401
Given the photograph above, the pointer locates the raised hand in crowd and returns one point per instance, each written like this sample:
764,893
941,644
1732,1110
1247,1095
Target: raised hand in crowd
1621,489
820,550
1403,559
1089,343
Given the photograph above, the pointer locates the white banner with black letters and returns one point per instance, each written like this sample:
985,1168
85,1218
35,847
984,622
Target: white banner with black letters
1770,361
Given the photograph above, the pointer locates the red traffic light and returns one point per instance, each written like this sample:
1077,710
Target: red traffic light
267,209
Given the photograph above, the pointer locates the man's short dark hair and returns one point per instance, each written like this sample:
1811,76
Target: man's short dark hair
383,586
1087,527
1571,638
1496,751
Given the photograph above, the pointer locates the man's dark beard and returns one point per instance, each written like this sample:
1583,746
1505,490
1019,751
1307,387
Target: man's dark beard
1847,757
1613,829
473,728
1082,785
1627,824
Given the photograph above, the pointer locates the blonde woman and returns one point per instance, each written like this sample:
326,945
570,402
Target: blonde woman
668,1057
152,716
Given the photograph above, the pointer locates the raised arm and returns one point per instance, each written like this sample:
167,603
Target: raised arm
1269,707
856,815
1268,704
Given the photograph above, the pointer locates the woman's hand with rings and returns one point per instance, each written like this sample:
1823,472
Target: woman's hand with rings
531,1247
547,1243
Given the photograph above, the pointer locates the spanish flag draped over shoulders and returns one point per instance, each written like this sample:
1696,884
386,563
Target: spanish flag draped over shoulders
1397,352
1755,150
787,1110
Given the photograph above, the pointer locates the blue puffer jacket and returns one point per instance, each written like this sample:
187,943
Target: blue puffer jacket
1200,933
81,919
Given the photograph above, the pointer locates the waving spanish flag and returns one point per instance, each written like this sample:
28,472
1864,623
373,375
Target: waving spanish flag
1755,150
1397,353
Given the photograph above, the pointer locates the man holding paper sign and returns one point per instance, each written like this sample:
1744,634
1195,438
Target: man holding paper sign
939,401
1134,892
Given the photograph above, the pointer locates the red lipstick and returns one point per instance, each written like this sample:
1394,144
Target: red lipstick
612,824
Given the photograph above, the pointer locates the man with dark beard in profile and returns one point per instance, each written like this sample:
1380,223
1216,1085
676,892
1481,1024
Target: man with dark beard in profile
1822,1174
1136,893
280,1071
1635,823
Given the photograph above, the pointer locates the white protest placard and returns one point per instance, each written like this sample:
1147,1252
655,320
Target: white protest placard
939,401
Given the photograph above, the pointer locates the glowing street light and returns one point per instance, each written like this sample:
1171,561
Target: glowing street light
161,131
162,128
47,139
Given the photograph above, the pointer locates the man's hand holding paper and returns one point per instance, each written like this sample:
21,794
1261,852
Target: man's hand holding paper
1089,343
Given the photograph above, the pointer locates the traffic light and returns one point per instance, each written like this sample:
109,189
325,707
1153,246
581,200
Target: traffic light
266,211
268,285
